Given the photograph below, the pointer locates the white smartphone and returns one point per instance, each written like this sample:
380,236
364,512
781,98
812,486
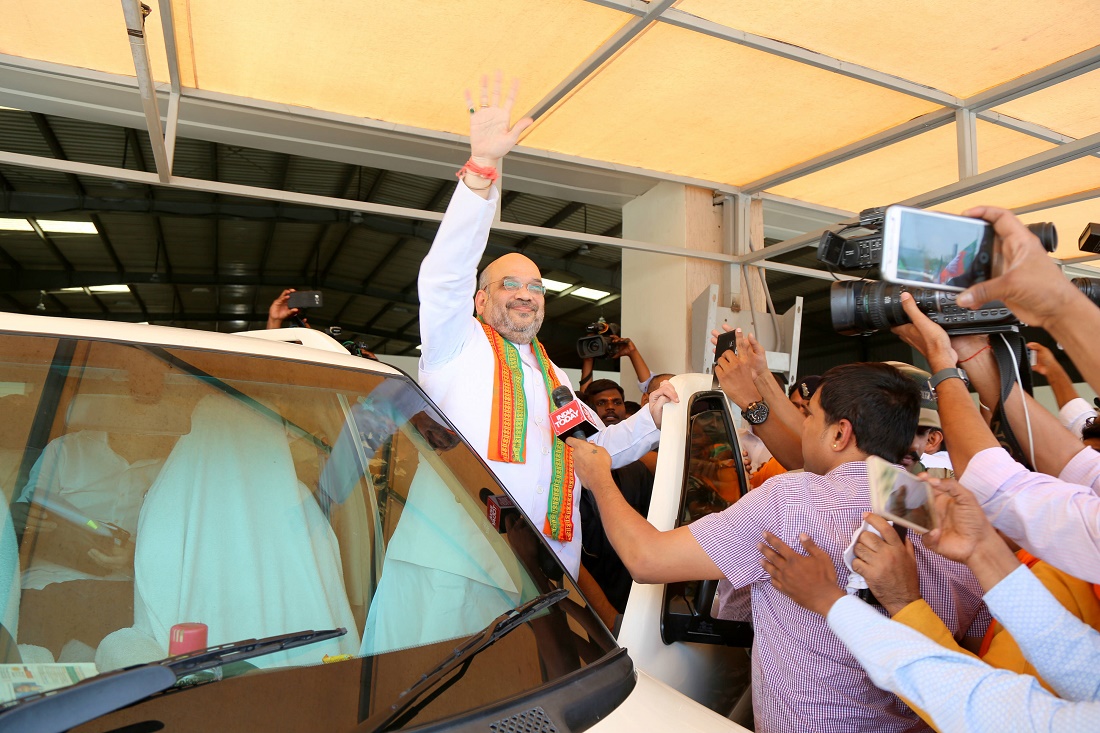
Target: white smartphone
927,249
900,496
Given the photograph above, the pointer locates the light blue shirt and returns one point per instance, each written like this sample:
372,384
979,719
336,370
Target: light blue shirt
962,693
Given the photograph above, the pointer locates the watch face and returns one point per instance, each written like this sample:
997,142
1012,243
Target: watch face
756,413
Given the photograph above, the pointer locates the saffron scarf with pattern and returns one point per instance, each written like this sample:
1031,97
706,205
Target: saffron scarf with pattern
508,429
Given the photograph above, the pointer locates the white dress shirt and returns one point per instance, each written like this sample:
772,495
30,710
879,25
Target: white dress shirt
457,368
1074,414
1051,519
961,692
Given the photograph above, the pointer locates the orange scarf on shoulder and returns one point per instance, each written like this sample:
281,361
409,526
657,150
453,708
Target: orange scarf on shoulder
508,429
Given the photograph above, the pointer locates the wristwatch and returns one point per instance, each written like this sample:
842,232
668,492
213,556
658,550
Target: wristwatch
949,373
755,412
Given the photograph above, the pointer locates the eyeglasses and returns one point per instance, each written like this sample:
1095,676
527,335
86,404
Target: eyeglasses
512,284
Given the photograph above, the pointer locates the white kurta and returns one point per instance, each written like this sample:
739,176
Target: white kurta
457,366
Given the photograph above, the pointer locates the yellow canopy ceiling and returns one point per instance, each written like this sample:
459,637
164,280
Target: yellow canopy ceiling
724,92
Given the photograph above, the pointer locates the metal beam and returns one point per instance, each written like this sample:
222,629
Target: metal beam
1059,71
134,14
1012,171
1073,198
112,99
559,216
802,271
680,19
24,204
34,280
401,212
51,245
588,68
966,139
904,131
1031,164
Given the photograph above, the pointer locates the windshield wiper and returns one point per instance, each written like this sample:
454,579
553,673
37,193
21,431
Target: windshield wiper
68,707
407,704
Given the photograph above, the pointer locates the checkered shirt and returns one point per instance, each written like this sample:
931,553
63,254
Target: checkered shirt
803,677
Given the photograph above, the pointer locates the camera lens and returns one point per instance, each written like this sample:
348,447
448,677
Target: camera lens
1090,286
858,307
1046,233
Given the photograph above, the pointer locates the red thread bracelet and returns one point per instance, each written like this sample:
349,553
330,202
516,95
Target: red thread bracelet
987,346
492,174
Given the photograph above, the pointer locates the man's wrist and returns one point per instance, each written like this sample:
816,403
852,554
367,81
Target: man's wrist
827,601
485,162
942,360
895,606
991,561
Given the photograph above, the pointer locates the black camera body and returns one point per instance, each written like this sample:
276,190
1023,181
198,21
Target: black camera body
864,251
599,344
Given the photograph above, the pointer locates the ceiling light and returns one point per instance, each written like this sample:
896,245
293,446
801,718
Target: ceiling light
67,227
98,289
555,286
590,293
420,347
16,225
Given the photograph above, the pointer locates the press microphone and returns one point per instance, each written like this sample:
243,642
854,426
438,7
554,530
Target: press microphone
497,508
569,419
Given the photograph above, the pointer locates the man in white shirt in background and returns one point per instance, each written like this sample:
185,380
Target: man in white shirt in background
488,373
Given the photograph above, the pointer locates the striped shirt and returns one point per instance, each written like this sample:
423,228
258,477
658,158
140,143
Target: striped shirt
803,677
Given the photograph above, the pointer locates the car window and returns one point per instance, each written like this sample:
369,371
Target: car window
153,486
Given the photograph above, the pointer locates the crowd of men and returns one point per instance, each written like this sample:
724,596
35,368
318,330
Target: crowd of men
857,627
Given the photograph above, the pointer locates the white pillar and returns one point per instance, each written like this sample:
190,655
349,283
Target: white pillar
658,289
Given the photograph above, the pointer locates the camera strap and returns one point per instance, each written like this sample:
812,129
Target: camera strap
1011,358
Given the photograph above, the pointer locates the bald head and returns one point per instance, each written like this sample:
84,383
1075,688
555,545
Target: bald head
516,314
513,264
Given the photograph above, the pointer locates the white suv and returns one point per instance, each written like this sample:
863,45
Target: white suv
328,527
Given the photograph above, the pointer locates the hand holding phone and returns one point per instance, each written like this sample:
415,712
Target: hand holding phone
928,249
725,342
900,497
305,299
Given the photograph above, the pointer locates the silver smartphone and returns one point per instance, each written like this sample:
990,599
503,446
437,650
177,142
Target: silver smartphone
900,497
927,249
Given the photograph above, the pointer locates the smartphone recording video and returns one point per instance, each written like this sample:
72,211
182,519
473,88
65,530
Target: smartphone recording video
900,496
725,342
928,249
305,299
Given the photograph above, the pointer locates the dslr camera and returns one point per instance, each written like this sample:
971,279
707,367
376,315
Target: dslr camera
600,341
930,255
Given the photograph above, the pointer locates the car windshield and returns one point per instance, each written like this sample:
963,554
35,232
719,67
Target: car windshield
154,486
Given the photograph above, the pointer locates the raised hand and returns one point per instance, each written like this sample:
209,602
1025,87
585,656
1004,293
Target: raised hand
278,311
737,372
491,133
962,525
925,336
1030,283
660,397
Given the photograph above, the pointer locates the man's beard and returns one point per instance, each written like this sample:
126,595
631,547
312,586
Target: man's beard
502,321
